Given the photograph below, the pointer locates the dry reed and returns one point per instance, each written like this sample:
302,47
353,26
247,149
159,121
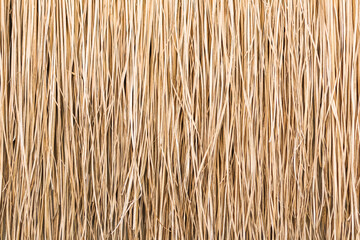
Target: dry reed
179,119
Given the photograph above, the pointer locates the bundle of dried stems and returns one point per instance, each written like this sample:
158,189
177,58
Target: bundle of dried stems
179,119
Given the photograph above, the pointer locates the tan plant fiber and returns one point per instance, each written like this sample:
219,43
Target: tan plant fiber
179,119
